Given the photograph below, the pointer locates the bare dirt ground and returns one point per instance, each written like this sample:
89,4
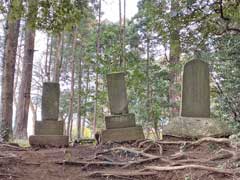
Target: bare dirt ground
170,159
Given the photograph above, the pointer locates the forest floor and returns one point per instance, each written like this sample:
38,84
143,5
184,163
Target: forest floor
170,159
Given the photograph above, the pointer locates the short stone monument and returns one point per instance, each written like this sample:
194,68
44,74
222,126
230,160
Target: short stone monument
195,118
120,125
49,131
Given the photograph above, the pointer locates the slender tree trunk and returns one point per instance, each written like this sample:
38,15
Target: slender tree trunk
57,63
124,34
96,68
34,114
50,60
79,108
9,61
70,111
18,70
46,72
26,80
120,34
148,80
175,50
85,100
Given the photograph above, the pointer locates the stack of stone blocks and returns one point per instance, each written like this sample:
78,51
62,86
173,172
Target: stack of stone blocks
49,131
194,120
120,125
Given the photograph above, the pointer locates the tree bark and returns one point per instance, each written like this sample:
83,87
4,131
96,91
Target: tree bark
9,61
96,68
70,111
175,50
20,130
46,64
148,80
57,63
79,108
50,59
85,100
34,114
120,33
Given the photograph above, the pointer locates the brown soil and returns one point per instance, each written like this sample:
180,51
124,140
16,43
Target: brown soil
171,159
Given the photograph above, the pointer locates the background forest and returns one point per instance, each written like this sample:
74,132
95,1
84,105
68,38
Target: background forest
82,47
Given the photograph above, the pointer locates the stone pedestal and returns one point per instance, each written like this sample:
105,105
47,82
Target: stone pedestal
49,131
194,127
120,125
122,134
120,121
49,140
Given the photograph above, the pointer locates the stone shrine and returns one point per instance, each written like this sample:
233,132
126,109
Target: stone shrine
49,131
195,118
120,125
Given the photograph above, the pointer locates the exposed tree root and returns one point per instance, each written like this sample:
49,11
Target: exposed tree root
225,141
13,147
122,174
130,163
83,163
133,151
192,166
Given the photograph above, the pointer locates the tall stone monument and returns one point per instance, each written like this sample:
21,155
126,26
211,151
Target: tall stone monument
195,90
49,131
195,118
120,125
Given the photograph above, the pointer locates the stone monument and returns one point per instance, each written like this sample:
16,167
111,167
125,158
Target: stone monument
120,125
195,118
49,131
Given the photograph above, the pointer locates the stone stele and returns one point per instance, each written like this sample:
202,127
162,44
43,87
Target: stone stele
195,90
49,131
50,101
117,93
195,121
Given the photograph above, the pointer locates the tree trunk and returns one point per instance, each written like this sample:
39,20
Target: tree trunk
20,130
70,111
46,64
18,70
96,68
79,108
50,60
148,80
9,61
175,50
85,100
120,33
124,34
34,114
57,63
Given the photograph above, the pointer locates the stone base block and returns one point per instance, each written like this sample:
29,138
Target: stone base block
122,134
120,121
48,128
196,127
48,140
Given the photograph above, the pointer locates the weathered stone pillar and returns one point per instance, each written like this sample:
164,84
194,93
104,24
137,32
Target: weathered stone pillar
120,125
195,90
195,118
49,131
117,93
50,101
